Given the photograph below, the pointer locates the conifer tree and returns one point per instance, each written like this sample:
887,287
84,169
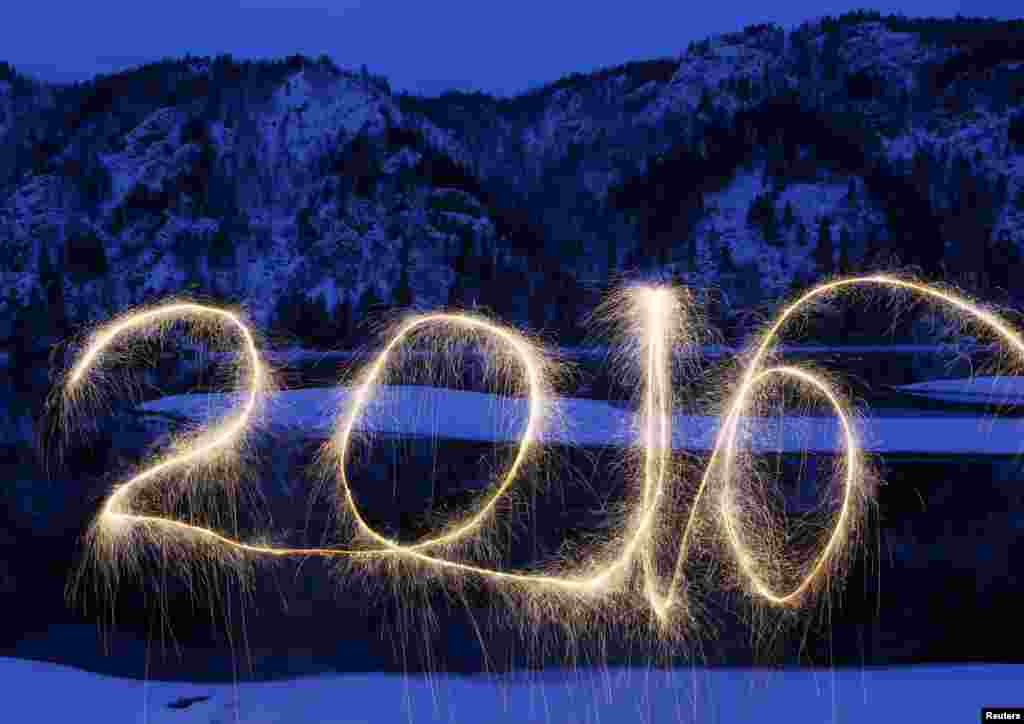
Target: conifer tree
403,296
801,234
85,256
51,282
343,322
844,251
612,253
369,305
318,323
465,267
770,227
823,250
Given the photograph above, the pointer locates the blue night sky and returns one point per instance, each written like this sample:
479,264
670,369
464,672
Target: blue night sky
424,47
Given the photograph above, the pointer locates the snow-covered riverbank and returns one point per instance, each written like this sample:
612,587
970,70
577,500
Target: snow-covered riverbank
43,692
462,415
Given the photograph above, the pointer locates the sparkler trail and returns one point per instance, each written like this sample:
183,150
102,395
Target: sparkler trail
658,323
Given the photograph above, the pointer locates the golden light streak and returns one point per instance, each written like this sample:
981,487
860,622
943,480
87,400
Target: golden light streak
537,392
225,435
659,323
853,464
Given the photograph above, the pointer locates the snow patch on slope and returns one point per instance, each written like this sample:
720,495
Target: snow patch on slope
311,108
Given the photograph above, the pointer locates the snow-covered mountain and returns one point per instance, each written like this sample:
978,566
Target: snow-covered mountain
751,162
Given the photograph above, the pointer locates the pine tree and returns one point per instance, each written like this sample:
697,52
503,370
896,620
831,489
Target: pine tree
759,209
851,192
1004,264
369,305
343,321
85,256
743,89
221,251
704,107
1001,190
307,234
823,251
762,213
844,251
801,234
538,302
612,253
51,282
830,53
492,296
968,224
1015,131
770,228
403,296
465,267
919,173
567,311
285,316
726,264
318,325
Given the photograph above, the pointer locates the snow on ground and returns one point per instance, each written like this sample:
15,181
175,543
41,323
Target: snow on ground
991,390
932,694
727,222
462,415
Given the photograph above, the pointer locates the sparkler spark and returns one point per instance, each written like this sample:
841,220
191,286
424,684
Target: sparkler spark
658,324
212,449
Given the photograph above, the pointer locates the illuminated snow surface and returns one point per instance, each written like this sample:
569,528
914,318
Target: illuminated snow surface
462,415
985,390
44,692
